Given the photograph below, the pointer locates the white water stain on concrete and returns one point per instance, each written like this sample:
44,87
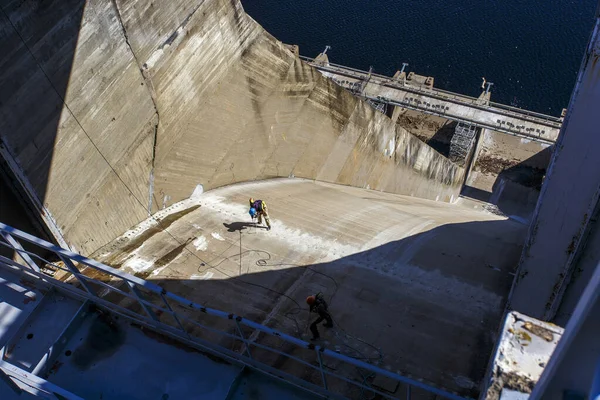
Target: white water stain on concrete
158,270
207,275
137,264
325,249
153,221
217,236
200,244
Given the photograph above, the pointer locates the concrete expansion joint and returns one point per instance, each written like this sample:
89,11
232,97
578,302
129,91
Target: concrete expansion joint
150,88
143,72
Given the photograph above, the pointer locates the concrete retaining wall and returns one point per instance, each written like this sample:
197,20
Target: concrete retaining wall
508,171
560,252
276,116
75,116
113,109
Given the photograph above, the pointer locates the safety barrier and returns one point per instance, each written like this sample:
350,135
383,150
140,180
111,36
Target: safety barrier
150,305
21,381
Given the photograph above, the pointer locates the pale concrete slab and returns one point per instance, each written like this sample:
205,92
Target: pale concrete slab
523,351
423,281
19,297
108,358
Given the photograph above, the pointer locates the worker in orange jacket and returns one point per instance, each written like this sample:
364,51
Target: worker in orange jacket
318,305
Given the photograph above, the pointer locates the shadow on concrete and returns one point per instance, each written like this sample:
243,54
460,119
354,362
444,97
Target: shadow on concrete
13,212
37,49
530,172
436,321
516,188
440,141
239,226
432,302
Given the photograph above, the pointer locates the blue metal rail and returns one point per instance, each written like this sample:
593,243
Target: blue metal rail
153,301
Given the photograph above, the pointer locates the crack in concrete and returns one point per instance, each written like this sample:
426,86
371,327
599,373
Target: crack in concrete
150,88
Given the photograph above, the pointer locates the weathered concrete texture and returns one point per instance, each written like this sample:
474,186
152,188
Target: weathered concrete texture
524,348
436,131
75,115
100,97
275,116
573,367
424,281
568,207
508,172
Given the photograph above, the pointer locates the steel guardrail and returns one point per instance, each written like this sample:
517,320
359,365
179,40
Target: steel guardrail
12,237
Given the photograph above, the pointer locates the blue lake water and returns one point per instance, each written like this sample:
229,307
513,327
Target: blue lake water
530,49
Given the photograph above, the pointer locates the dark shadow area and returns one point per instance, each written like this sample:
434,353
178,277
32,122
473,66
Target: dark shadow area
14,212
239,226
440,141
530,172
475,193
39,39
517,186
435,133
431,303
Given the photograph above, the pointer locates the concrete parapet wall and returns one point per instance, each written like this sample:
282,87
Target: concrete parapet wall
110,110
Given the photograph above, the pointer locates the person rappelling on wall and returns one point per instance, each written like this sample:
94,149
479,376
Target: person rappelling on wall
319,306
258,209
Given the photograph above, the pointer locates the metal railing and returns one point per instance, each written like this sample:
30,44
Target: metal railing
21,381
243,341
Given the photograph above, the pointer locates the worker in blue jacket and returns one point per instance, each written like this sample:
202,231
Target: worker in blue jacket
258,208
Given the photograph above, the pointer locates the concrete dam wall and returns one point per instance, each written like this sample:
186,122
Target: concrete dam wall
111,110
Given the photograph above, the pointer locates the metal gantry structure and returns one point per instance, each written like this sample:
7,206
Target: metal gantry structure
214,331
461,144
434,101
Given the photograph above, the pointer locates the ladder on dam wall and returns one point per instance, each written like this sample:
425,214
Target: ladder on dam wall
309,370
462,142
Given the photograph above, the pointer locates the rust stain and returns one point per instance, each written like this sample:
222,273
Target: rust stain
124,247
523,336
55,367
540,331
29,299
10,350
571,246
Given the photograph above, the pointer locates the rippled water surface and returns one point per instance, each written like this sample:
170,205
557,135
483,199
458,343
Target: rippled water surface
530,49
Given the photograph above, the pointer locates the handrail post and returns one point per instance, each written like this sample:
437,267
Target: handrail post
174,314
75,271
138,295
321,367
239,329
136,284
20,250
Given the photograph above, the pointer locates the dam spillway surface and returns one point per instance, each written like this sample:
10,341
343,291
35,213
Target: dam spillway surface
422,282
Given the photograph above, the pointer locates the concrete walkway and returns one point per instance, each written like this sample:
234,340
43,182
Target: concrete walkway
423,281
